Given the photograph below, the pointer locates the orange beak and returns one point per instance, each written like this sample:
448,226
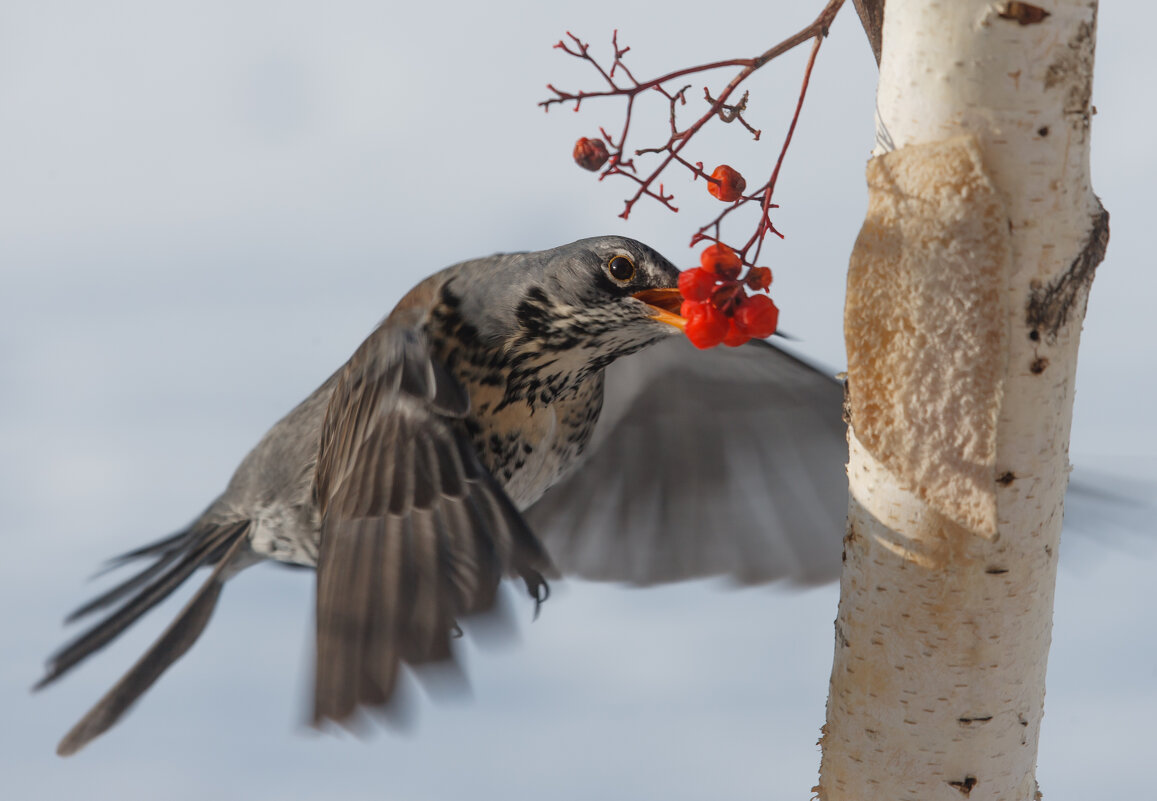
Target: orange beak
665,303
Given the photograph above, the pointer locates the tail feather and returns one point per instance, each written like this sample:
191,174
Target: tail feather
207,550
174,543
166,550
171,646
113,595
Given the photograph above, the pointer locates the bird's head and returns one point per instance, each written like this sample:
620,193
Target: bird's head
606,296
556,316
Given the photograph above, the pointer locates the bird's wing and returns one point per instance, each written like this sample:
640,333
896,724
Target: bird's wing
727,462
415,531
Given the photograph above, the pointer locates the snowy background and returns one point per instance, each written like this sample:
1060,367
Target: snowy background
205,206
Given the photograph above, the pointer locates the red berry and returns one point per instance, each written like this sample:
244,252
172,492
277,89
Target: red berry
757,316
735,337
706,326
696,284
758,278
720,260
590,154
727,296
728,184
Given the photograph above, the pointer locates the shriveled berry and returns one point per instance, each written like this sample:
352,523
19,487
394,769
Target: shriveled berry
728,184
696,284
706,326
590,154
758,278
734,337
757,316
720,260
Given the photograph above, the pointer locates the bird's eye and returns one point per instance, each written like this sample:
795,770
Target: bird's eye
621,268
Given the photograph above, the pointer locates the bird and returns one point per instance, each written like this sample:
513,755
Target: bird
526,416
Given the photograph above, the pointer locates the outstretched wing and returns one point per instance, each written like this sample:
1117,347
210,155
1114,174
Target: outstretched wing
726,462
415,532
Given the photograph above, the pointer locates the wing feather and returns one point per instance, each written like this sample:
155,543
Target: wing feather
729,462
415,532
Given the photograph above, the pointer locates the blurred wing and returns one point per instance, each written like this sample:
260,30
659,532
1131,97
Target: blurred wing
1113,509
725,462
415,532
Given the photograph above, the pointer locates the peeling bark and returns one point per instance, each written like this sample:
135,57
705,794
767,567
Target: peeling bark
966,292
925,325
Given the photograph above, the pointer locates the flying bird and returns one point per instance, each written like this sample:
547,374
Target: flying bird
524,415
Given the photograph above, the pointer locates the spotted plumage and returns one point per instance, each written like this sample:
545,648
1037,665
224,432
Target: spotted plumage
404,477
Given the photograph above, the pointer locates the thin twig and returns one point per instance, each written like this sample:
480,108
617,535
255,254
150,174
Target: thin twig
718,107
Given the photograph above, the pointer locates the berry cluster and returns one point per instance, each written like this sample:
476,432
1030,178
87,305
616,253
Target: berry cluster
716,302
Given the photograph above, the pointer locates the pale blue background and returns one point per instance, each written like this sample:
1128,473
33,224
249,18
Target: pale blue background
204,207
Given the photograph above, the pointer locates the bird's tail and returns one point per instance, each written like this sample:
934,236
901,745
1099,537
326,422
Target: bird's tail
175,560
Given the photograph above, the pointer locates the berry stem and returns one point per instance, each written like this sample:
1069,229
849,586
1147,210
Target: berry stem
718,107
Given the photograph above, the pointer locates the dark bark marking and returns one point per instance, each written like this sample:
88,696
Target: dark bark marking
1022,13
1049,306
965,787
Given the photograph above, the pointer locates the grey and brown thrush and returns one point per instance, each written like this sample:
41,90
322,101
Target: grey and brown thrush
496,424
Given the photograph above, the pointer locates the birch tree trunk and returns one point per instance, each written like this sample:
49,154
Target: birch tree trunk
966,292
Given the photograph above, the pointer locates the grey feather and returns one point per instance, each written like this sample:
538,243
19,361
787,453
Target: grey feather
171,646
384,597
401,477
206,548
727,462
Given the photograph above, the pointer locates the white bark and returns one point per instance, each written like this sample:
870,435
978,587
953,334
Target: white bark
966,292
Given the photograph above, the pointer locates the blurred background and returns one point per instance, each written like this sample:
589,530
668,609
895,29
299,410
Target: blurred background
205,206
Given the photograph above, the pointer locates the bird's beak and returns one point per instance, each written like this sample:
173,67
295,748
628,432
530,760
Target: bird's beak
665,305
